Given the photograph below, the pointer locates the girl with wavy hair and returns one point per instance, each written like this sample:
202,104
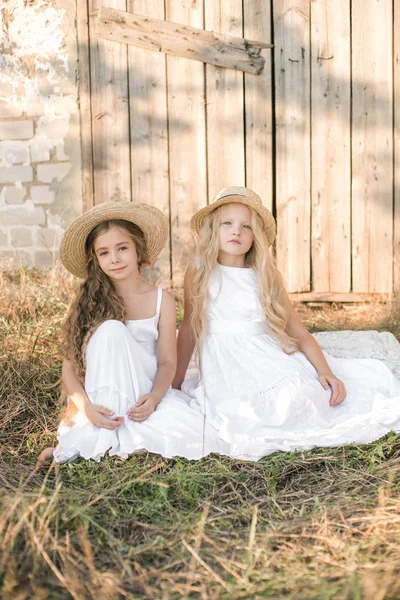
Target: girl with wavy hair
120,344
265,384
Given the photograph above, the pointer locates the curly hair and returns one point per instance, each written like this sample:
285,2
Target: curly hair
97,300
260,259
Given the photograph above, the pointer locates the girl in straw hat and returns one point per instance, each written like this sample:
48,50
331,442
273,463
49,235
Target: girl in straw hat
120,344
265,383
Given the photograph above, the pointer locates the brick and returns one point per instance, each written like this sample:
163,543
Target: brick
13,194
44,86
21,237
3,238
16,130
27,214
45,258
64,104
40,151
6,90
13,174
10,109
14,152
34,108
58,171
53,219
42,194
49,237
54,129
60,152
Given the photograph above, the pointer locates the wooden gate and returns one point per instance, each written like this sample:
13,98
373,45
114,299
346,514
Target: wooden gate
316,134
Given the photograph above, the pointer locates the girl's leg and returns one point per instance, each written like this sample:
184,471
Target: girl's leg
115,378
45,456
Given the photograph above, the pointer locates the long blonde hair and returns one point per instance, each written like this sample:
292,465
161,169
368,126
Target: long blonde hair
258,258
97,300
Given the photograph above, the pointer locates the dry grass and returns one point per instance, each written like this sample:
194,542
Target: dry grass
315,525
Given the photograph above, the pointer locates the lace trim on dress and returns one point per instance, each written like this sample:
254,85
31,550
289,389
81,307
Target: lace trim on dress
106,389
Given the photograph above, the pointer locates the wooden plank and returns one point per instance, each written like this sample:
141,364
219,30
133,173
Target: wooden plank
181,40
149,131
372,156
258,105
396,83
338,297
110,117
85,109
187,139
330,142
224,101
292,101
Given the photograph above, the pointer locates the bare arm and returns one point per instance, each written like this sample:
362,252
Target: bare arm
311,349
186,340
95,413
166,360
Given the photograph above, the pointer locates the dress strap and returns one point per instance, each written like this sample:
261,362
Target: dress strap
159,299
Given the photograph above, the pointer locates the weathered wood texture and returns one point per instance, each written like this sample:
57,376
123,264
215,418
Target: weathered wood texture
319,146
396,83
258,106
110,114
187,151
82,27
149,129
292,98
180,40
372,154
330,144
225,104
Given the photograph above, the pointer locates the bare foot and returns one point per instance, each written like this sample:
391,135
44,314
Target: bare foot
45,456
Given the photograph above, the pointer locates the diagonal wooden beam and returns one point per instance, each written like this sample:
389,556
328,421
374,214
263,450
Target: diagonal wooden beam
181,40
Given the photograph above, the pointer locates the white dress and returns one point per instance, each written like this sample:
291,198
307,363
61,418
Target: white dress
121,366
261,400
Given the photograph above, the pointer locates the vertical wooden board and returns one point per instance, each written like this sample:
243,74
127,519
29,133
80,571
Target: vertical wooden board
82,27
187,139
224,101
396,72
372,147
149,129
330,143
110,118
258,104
292,101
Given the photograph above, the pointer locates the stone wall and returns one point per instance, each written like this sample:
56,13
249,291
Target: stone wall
40,178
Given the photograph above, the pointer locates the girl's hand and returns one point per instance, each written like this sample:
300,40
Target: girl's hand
94,413
144,407
338,390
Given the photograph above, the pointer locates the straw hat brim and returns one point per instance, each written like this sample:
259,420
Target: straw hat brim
148,218
197,221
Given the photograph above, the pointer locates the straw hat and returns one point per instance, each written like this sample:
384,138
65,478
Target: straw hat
149,219
243,196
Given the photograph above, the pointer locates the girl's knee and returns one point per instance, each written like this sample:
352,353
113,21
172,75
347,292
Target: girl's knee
111,329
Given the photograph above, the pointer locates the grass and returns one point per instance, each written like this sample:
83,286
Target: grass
322,524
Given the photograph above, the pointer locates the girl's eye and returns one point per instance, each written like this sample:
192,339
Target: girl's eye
226,223
122,248
247,226
103,253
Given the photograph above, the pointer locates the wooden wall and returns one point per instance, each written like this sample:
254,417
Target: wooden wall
316,134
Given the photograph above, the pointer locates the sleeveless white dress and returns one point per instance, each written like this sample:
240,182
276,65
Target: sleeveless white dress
261,400
121,366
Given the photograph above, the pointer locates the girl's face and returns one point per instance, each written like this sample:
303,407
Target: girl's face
116,253
235,234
